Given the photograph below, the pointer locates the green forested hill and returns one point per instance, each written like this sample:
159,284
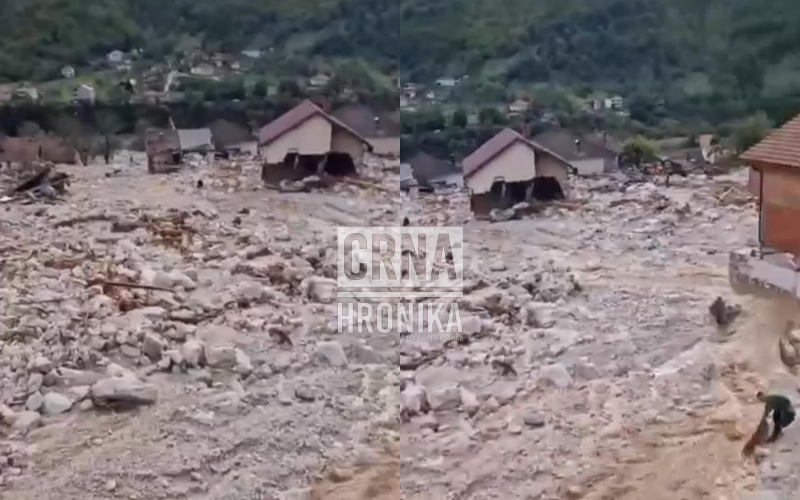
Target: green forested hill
712,58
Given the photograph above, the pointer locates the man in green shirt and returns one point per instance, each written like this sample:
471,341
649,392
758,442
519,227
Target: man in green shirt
782,412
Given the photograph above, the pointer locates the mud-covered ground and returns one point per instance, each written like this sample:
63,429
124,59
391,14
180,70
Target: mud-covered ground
592,367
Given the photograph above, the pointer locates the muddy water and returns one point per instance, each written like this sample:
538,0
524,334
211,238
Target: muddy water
701,457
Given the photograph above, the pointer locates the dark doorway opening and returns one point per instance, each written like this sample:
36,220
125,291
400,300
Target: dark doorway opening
340,165
547,189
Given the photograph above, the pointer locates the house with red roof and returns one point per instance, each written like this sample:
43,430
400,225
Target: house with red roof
775,181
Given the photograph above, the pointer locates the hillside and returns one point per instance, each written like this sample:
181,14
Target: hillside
715,59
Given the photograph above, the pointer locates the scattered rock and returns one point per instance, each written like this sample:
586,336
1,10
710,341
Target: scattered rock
56,404
153,346
243,365
333,353
305,393
193,352
320,289
26,421
469,402
34,402
123,391
558,375
534,419
221,357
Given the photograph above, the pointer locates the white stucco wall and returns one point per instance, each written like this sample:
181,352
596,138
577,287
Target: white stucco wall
313,137
344,142
516,163
593,166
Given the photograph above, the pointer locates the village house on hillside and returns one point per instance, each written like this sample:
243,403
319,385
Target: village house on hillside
307,140
586,155
509,169
382,130
68,72
519,106
319,80
84,93
775,178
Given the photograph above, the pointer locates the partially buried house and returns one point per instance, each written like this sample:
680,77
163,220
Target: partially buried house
435,173
307,141
381,129
775,179
586,155
509,169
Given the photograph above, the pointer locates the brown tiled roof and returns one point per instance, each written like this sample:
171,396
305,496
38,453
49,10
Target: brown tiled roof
496,145
296,117
781,147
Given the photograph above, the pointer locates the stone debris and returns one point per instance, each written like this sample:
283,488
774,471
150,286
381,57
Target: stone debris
123,391
723,313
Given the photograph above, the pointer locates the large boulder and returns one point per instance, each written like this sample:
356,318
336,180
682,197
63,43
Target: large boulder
123,391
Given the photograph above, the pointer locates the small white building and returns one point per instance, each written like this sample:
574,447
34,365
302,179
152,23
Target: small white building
27,92
447,82
519,107
115,57
84,93
202,70
68,72
319,80
252,53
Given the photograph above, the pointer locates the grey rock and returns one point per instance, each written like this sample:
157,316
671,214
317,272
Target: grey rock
201,375
41,364
193,351
558,375
365,355
471,325
320,289
305,393
162,280
56,404
469,402
537,315
34,402
445,398
130,351
153,346
333,353
180,279
124,390
534,419
296,494
26,421
221,357
35,381
243,365
504,392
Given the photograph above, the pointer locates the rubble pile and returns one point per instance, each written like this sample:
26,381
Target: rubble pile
198,309
588,351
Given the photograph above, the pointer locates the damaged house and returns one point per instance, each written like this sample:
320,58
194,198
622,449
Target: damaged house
308,141
30,149
230,137
382,130
167,146
509,169
434,173
586,155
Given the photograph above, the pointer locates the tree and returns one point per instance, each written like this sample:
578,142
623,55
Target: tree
638,151
108,124
260,89
491,116
750,131
460,119
29,129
